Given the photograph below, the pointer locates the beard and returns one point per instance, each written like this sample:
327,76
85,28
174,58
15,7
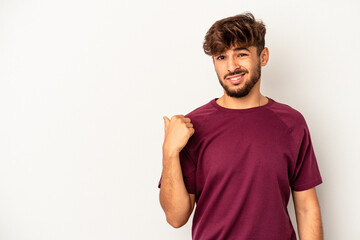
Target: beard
242,92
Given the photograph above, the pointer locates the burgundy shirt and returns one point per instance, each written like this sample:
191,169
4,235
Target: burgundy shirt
242,164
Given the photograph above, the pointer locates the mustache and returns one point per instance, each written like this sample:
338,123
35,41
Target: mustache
235,73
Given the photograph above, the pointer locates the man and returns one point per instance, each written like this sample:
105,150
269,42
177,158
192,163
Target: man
238,156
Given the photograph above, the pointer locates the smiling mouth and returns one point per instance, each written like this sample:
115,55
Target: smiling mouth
236,78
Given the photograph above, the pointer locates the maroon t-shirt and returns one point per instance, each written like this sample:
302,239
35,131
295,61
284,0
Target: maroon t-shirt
242,164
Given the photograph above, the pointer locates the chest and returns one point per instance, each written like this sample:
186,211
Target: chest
242,149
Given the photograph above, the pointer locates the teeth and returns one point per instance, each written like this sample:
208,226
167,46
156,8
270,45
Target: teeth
236,77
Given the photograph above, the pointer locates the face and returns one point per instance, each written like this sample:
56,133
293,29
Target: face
239,69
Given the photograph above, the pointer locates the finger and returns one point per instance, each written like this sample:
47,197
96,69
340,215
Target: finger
186,119
178,116
166,121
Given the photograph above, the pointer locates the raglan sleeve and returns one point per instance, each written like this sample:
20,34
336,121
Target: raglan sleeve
306,174
188,166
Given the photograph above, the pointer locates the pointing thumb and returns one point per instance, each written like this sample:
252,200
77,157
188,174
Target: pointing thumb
166,120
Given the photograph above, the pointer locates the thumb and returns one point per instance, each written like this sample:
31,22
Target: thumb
166,121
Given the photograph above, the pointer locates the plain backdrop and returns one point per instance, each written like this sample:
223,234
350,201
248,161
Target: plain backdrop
84,86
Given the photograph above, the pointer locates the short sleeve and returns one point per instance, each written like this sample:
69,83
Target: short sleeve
188,169
307,174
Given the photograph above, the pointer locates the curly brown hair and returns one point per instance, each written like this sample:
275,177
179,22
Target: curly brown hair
241,30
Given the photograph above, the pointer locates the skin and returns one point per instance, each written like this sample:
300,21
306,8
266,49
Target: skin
308,215
247,93
176,202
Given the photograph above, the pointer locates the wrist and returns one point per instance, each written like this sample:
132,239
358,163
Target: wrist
170,152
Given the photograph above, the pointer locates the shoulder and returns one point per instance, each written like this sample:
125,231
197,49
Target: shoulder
198,117
199,114
288,115
295,122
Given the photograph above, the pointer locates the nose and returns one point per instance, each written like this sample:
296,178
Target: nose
232,65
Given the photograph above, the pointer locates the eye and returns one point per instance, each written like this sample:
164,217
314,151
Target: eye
242,54
220,58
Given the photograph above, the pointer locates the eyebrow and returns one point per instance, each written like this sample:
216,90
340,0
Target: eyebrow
240,48
237,49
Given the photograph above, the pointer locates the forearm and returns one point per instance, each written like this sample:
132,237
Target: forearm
174,197
310,225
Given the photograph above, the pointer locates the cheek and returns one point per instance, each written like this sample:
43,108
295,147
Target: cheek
250,68
220,71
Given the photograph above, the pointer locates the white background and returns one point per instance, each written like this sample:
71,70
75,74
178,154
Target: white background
84,86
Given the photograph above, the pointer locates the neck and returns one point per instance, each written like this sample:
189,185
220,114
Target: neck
248,101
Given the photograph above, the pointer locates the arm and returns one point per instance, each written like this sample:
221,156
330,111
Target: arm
174,197
176,202
308,214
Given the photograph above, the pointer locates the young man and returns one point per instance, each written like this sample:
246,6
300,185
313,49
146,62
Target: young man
238,156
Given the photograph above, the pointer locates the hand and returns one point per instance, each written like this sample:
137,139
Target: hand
178,130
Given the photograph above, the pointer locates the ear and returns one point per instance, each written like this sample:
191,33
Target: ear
264,56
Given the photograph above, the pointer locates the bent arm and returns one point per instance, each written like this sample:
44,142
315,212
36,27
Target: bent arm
176,202
308,214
